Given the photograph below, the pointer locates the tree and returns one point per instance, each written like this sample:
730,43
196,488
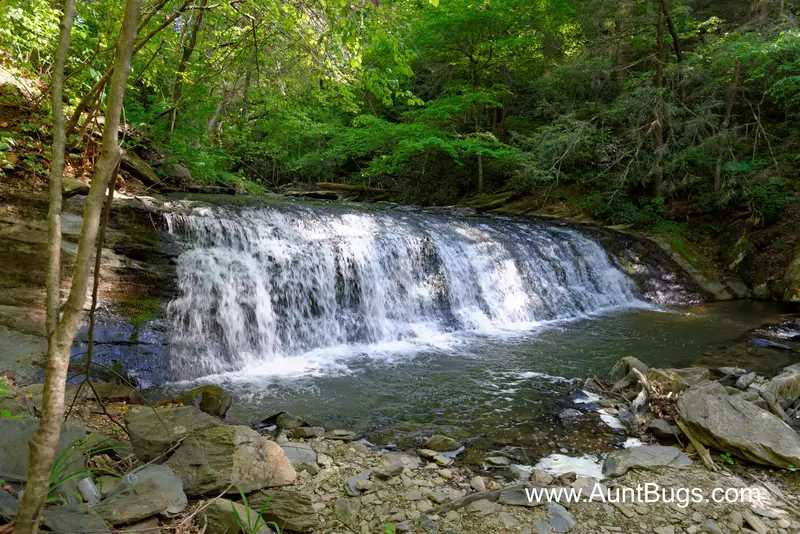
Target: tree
61,331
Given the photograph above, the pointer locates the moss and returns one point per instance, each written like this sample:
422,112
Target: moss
677,244
139,312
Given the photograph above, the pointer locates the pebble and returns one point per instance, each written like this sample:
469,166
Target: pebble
668,529
784,523
413,495
445,474
482,507
477,484
428,453
754,522
498,461
711,527
508,520
452,516
424,506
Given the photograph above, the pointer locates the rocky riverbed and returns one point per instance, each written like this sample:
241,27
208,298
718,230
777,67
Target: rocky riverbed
178,467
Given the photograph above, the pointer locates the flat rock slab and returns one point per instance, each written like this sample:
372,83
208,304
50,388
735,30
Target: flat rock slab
646,457
151,491
74,519
732,424
155,431
290,510
223,517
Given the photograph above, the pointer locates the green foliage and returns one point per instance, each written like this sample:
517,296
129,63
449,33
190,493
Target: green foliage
726,457
249,525
390,528
4,392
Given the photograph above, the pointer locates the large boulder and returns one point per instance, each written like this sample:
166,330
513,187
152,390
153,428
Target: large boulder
676,380
226,517
138,168
734,425
290,510
791,280
235,457
622,373
785,388
153,490
14,455
645,457
211,399
175,172
154,431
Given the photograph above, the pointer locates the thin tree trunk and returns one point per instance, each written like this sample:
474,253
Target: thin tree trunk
725,125
624,52
53,287
188,49
658,180
677,46
476,115
43,446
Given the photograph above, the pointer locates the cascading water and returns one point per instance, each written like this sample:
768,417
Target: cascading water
285,282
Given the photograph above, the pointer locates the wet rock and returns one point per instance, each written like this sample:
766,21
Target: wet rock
223,516
646,457
730,423
569,414
663,430
621,373
785,388
231,456
287,421
441,443
74,519
14,455
767,344
289,509
676,380
560,519
302,456
210,399
496,461
151,491
155,430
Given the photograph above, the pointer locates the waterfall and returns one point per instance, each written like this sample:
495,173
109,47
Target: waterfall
281,282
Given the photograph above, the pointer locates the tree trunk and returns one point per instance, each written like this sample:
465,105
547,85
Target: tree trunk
43,445
188,49
677,46
476,115
624,51
658,179
53,287
725,124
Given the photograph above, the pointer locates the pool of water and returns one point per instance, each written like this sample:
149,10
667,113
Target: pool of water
498,391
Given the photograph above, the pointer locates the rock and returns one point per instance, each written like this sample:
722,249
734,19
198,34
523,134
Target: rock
341,435
445,474
112,392
668,529
395,462
210,399
785,388
560,519
71,187
710,527
8,506
176,172
153,490
541,477
542,527
14,455
441,443
676,380
347,509
74,519
646,457
477,484
147,525
508,520
754,522
222,517
352,483
289,509
711,387
663,430
732,371
138,168
518,497
155,431
734,425
791,279
307,432
767,344
621,373
482,507
497,461
302,456
287,421
442,460
520,473
569,413
221,457
744,381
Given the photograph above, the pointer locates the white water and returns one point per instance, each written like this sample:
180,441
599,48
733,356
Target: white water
290,289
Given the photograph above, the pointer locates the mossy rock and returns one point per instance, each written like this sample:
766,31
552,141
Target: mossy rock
210,399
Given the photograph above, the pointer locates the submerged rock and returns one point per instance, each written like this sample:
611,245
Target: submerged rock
732,424
231,456
155,430
441,443
646,457
210,399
